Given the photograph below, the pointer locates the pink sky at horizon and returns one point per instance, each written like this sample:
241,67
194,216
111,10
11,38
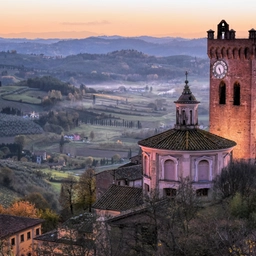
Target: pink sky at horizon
82,18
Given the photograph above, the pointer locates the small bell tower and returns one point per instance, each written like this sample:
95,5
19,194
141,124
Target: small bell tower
186,109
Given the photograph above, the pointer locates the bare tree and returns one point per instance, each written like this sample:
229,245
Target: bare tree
68,193
86,189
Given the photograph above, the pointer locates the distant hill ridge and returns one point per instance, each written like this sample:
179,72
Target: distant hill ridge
165,46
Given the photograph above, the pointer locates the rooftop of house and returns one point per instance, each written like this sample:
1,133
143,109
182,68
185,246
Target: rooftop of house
132,172
52,236
12,224
120,198
187,140
83,223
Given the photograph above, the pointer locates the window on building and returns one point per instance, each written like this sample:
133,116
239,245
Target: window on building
22,238
222,93
183,117
169,170
13,241
146,166
236,94
177,117
28,235
146,186
191,117
203,171
126,182
37,231
202,192
170,192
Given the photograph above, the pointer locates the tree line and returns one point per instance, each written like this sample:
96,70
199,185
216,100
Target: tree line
48,83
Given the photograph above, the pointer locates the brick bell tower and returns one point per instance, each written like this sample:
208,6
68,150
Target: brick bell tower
233,88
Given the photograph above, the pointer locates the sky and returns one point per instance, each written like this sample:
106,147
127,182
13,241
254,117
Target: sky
159,18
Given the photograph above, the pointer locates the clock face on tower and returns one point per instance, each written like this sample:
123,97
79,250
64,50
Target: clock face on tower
219,69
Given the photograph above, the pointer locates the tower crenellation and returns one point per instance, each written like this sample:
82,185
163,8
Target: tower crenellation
233,88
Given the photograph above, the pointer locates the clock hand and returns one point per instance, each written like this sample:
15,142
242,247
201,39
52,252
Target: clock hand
219,69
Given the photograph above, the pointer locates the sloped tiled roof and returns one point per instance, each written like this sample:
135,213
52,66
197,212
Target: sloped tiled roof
132,172
187,140
120,198
10,224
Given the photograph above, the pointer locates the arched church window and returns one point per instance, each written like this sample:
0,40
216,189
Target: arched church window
222,93
203,170
169,170
236,101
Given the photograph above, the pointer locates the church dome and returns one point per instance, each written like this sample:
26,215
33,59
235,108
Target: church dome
187,140
186,136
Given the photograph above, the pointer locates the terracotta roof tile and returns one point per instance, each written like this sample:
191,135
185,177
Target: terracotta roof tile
187,140
120,198
132,172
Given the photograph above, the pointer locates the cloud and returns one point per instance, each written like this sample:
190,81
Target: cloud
90,23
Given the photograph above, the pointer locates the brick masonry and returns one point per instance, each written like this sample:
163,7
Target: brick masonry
228,120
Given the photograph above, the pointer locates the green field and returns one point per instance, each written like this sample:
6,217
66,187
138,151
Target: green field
23,98
127,105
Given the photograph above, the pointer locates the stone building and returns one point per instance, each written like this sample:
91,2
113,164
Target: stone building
232,88
184,152
17,235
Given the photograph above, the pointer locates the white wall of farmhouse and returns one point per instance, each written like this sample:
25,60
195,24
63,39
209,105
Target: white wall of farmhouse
201,167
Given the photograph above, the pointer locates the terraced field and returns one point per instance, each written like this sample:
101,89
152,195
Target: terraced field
11,125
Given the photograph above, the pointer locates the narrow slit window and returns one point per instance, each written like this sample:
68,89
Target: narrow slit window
236,94
183,117
191,117
222,93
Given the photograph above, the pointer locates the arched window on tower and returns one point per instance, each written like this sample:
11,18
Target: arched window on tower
222,93
169,170
203,171
177,117
236,101
191,117
183,117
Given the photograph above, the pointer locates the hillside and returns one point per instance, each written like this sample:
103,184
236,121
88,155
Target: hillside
165,46
19,179
117,66
11,125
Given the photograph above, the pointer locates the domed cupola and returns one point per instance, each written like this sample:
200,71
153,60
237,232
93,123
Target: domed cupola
186,109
